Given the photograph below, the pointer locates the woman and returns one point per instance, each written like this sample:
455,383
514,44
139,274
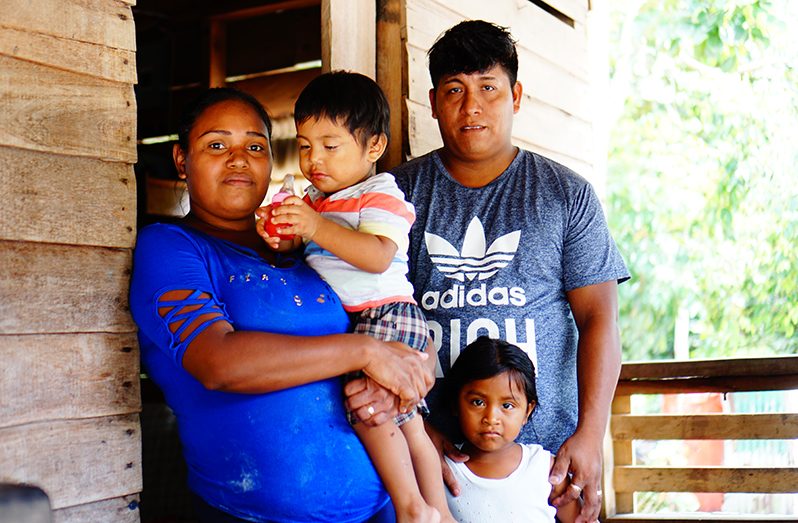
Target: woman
247,347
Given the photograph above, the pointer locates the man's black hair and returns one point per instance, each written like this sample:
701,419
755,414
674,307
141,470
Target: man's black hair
349,99
211,97
470,47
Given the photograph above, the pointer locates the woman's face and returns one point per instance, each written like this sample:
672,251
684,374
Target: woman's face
227,166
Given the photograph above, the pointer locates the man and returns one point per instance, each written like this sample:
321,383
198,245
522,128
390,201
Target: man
513,245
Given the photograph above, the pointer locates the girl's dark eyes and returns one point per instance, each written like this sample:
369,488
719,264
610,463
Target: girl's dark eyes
477,402
508,406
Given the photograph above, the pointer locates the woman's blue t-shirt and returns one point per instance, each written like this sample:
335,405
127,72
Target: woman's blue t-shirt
287,456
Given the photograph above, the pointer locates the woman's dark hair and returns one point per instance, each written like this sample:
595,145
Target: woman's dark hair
211,97
470,47
485,358
350,99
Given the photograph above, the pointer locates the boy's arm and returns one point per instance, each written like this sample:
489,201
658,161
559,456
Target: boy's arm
367,252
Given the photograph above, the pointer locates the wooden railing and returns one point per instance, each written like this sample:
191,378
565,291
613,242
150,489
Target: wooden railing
622,477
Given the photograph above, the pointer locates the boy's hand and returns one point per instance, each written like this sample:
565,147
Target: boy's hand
273,242
302,219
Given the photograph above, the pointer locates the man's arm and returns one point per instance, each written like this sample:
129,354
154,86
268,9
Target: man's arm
595,310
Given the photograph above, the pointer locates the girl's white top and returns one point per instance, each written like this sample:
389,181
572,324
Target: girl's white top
523,496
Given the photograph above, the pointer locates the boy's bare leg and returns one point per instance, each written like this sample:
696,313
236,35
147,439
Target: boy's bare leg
388,451
427,466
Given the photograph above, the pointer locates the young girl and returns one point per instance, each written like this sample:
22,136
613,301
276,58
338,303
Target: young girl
491,387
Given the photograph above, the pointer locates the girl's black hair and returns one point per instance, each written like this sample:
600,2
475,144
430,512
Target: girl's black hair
211,97
486,357
470,47
351,99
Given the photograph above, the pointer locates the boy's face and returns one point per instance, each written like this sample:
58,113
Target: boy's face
475,113
330,157
492,412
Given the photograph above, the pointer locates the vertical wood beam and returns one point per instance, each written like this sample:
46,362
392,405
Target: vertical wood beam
622,454
392,75
218,54
348,36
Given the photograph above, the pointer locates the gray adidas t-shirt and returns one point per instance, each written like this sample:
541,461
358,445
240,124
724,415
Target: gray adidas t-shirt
498,260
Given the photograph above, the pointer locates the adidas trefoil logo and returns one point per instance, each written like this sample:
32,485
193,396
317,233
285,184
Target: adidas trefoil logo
474,260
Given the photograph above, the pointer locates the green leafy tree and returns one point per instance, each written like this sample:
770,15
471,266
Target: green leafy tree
702,194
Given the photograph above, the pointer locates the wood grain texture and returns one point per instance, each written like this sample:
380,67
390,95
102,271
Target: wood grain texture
66,113
124,509
71,55
68,376
706,479
348,36
53,198
47,288
107,23
77,461
704,426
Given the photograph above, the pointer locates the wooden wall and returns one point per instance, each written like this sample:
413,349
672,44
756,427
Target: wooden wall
556,111
69,379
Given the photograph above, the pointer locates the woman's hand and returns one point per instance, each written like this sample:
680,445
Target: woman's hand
275,243
401,370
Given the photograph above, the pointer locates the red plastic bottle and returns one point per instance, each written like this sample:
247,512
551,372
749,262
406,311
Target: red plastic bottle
285,191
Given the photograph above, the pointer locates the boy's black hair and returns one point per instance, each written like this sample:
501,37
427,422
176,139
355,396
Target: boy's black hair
485,358
349,99
211,97
470,47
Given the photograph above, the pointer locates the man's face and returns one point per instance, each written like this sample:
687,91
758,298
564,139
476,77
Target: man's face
475,113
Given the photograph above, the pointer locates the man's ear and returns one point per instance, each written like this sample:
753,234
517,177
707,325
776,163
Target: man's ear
179,158
518,91
432,103
376,147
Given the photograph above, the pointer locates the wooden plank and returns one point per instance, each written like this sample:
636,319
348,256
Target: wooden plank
533,28
622,456
77,461
718,384
770,366
261,10
48,288
123,509
349,36
705,426
66,113
576,10
54,198
699,517
68,376
392,76
103,22
706,479
104,62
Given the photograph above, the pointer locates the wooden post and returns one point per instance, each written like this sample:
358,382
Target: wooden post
348,36
622,454
392,75
218,55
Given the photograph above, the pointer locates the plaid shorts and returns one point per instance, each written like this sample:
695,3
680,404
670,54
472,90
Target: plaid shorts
399,321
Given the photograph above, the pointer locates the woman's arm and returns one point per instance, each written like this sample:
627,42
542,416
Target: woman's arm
222,358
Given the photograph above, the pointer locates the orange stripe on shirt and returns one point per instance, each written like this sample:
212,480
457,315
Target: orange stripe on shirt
371,200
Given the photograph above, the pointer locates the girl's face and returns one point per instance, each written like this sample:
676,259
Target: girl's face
492,412
227,166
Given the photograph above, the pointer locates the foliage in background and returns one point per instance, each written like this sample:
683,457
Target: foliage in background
702,184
